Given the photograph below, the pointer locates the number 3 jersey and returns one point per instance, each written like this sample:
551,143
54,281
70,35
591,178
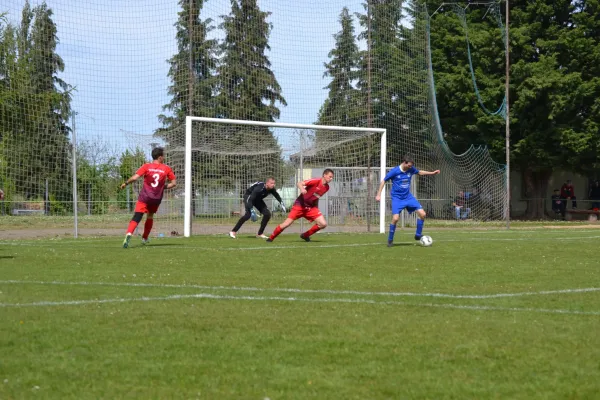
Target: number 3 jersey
155,177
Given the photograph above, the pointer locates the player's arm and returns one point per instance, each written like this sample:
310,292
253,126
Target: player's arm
172,183
381,186
278,198
172,180
1,194
301,185
276,195
393,172
425,173
133,178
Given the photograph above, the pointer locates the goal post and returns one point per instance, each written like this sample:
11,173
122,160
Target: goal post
331,147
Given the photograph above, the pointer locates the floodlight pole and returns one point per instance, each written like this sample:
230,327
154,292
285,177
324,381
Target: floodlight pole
507,110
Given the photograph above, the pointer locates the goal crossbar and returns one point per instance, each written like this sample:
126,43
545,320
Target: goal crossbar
189,120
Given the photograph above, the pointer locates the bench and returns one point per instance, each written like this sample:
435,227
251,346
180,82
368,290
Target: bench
592,215
26,212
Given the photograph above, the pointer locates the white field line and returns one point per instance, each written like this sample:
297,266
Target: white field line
305,291
303,246
192,247
295,299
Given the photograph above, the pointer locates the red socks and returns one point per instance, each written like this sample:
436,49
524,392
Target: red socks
313,229
276,233
131,227
147,227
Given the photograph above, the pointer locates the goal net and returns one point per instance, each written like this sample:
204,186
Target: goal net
88,88
221,158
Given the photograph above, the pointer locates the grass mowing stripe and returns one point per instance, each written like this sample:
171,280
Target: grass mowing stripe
295,299
294,290
311,246
80,242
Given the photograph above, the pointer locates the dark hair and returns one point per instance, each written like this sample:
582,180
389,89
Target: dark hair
157,152
407,159
328,170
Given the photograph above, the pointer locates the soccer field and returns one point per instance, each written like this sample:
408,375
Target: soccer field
480,314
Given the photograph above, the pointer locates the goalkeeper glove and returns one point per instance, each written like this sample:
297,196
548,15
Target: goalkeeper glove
283,208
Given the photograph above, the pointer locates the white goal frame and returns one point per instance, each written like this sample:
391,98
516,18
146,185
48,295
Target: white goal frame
187,216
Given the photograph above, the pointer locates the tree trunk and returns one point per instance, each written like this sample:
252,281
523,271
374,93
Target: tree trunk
536,185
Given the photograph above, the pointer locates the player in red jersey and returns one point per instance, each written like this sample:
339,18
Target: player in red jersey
307,206
155,176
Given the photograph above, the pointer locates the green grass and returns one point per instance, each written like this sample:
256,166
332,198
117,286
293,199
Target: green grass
120,221
342,317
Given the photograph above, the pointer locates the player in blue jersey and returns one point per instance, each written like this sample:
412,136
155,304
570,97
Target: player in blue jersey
402,197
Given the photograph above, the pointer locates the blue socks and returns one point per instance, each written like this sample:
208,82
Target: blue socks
420,223
418,233
391,234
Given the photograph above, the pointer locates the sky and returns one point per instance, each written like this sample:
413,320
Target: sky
116,53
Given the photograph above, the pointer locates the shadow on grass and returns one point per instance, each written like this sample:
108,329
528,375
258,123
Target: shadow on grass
141,246
1,257
403,244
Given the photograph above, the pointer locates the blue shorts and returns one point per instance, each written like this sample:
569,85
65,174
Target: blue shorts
410,203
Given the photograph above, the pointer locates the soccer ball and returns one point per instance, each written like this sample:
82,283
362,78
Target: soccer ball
426,241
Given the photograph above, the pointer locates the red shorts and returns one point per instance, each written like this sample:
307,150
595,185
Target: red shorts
310,213
142,207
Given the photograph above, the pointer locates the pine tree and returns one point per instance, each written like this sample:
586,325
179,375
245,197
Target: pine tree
554,91
247,90
193,82
381,73
199,76
454,85
35,145
7,56
342,105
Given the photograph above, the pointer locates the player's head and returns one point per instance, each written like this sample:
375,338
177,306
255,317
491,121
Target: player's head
556,191
328,175
158,152
270,183
408,161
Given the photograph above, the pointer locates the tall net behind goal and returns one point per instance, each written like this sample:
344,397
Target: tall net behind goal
88,88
